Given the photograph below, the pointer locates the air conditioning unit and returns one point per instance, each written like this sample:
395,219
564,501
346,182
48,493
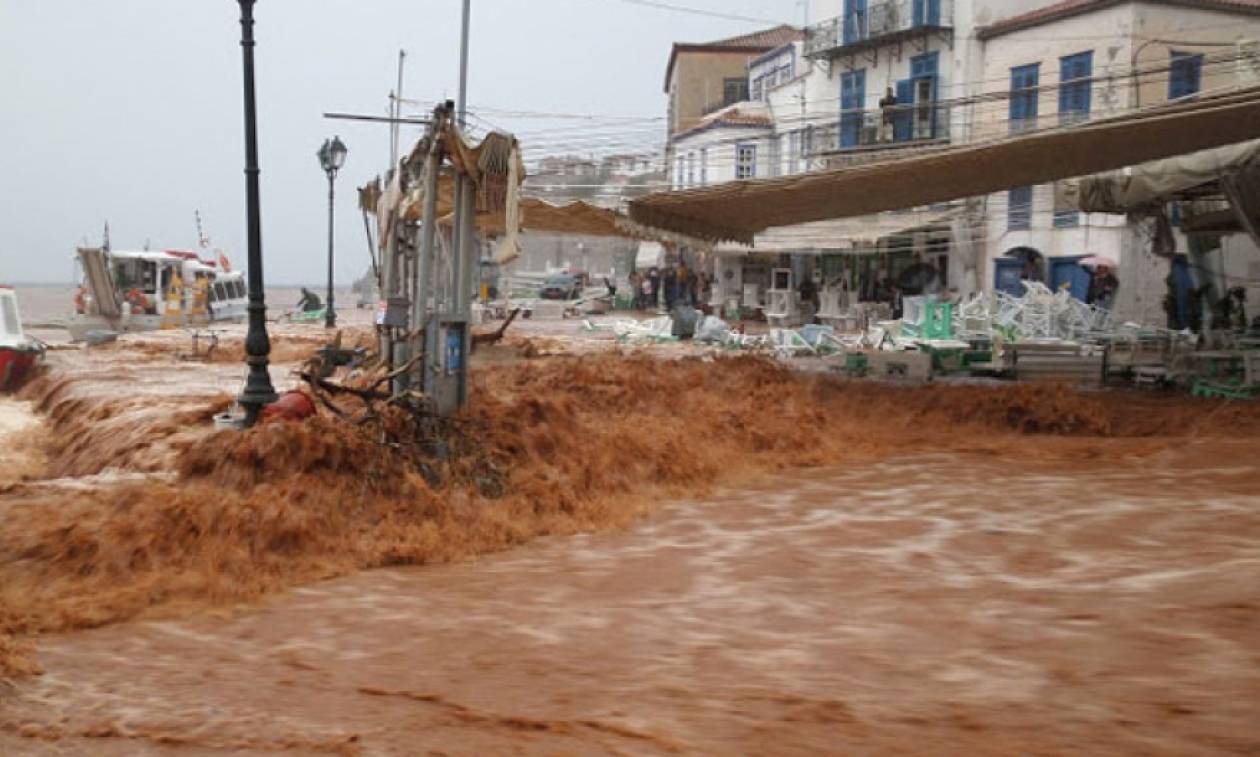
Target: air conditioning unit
1248,63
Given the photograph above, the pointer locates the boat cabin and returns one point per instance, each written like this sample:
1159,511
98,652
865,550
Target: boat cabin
10,319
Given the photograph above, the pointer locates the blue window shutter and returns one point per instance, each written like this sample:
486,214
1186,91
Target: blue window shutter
1024,95
852,100
854,21
926,13
903,121
924,65
1075,72
1019,208
1184,75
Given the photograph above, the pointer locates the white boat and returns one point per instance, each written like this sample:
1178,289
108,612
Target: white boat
124,291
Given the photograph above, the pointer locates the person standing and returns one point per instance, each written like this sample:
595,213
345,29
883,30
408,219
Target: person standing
654,283
670,282
888,116
1102,288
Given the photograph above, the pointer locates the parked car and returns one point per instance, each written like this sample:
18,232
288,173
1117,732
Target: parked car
561,286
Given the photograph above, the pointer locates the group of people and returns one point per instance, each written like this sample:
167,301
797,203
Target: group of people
668,286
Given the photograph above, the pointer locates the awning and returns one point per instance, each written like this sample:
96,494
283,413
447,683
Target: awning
492,165
851,234
1161,180
737,211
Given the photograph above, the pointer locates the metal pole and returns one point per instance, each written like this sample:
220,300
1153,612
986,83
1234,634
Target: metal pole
395,112
420,316
258,390
467,255
463,63
330,312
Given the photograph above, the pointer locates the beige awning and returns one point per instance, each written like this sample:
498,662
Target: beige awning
488,164
1161,180
737,211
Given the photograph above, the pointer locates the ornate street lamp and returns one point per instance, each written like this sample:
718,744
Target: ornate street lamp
258,390
332,156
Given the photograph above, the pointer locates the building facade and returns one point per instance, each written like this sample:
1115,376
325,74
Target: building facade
1074,62
869,80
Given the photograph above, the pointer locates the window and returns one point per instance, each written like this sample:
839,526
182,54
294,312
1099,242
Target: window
734,91
745,161
691,169
852,100
1075,78
807,146
794,151
1185,75
1019,209
1066,214
704,166
1024,83
678,173
759,88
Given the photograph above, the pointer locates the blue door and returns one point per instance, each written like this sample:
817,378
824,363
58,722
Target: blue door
924,84
854,21
927,13
903,121
852,99
1069,271
1008,276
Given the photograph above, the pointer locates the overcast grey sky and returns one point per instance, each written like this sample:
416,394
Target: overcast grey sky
130,110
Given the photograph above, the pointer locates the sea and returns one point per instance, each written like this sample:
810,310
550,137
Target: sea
47,306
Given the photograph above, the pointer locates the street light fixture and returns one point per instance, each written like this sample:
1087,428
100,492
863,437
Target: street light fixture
332,156
258,390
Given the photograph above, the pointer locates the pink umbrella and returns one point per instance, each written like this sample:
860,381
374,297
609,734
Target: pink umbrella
1098,261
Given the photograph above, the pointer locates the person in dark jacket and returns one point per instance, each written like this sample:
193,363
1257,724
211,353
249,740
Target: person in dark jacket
310,301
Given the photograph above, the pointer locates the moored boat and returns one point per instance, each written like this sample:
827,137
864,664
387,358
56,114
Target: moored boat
149,290
19,354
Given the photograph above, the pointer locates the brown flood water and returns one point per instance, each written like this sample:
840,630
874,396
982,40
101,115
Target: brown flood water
962,570
945,604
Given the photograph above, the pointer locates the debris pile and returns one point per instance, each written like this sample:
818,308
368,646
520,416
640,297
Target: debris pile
1038,314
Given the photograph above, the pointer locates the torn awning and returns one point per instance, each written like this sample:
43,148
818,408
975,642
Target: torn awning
738,210
1161,180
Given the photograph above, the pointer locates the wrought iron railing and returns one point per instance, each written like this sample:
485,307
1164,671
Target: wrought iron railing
876,21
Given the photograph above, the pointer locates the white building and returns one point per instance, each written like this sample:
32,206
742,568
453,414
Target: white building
873,79
1073,62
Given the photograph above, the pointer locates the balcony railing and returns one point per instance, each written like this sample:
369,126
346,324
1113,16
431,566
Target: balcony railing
912,125
878,22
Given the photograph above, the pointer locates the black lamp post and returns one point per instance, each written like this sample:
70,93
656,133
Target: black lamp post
332,156
258,389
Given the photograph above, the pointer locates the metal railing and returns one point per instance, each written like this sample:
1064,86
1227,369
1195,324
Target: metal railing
910,124
876,21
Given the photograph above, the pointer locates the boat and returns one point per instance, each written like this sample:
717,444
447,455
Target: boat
128,291
19,354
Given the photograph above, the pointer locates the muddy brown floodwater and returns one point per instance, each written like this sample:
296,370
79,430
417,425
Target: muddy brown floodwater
685,558
946,604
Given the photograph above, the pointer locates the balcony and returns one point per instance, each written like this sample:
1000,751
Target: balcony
878,24
914,125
